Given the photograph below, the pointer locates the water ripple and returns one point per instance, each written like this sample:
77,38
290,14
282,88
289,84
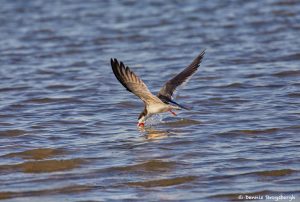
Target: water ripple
68,127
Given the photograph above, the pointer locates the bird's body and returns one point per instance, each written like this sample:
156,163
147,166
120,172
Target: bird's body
158,108
161,103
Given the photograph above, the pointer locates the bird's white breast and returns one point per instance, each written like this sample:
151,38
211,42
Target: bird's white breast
157,108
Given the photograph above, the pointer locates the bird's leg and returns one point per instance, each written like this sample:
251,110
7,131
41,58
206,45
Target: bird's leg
172,112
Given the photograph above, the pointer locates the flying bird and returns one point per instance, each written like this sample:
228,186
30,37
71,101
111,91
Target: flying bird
163,101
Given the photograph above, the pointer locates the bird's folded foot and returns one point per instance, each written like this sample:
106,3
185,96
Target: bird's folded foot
172,112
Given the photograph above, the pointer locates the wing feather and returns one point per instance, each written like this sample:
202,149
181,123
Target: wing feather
170,86
132,82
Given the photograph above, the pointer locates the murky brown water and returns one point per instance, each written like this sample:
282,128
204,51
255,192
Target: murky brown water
68,128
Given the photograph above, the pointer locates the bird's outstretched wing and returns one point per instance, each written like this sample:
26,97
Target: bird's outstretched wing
132,82
166,92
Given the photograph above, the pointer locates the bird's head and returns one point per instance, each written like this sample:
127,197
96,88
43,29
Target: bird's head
142,119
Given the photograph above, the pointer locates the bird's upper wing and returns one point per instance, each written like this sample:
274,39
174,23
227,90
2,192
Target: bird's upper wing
170,86
132,82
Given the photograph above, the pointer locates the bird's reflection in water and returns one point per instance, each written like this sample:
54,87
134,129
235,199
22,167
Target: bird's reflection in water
151,133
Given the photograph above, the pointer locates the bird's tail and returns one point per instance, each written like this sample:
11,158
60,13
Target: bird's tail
179,106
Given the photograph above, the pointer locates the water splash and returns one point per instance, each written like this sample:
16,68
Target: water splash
156,119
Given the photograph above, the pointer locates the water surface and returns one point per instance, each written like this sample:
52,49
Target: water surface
68,128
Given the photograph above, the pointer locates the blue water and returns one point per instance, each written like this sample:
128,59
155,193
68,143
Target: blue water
68,127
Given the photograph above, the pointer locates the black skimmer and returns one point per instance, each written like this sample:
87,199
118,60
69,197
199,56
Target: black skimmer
163,102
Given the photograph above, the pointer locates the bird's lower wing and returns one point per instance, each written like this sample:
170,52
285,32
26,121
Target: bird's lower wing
132,82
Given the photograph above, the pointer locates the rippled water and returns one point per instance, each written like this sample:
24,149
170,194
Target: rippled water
68,128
